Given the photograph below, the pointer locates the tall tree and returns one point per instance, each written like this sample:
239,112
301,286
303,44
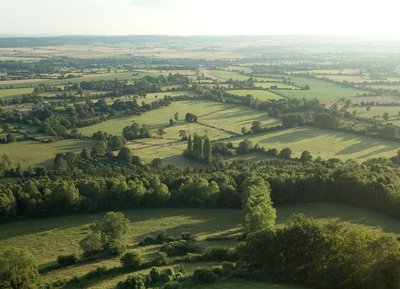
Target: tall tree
259,212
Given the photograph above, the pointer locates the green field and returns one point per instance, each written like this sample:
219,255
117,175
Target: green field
226,75
279,85
325,143
325,91
25,83
377,111
6,93
257,94
205,110
232,118
32,153
170,151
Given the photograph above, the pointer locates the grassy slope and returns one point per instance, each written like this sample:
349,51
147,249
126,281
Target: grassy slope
50,237
325,143
32,153
47,238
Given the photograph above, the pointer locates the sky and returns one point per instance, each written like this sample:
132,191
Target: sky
199,17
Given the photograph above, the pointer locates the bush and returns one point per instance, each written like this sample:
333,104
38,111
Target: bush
187,237
203,276
147,241
114,248
159,239
132,282
155,275
131,261
181,247
67,260
217,254
228,268
161,259
169,274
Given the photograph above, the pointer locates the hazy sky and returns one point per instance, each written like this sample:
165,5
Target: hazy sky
199,17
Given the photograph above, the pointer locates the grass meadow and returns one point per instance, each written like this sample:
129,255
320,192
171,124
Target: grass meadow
325,91
11,92
33,153
378,111
211,114
257,94
325,143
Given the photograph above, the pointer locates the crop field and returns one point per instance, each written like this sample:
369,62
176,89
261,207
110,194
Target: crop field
48,238
325,143
257,94
32,153
323,90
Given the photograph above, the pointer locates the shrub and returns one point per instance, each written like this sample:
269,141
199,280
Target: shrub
161,259
67,260
147,241
228,268
114,248
203,276
131,261
217,254
91,245
169,274
132,282
187,236
180,247
155,275
161,237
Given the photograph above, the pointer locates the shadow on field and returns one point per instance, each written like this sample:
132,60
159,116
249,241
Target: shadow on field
341,213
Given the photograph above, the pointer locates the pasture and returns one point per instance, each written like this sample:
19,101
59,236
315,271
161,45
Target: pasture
33,153
29,83
378,111
221,120
278,85
324,143
11,92
325,91
226,75
257,94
